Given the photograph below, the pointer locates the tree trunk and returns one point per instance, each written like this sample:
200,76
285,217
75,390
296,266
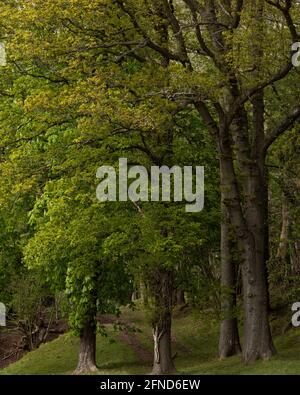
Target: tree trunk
282,252
257,334
180,297
163,362
258,340
144,294
87,349
135,296
248,218
247,205
295,259
229,342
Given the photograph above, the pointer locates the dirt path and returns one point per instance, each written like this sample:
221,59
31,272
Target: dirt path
131,338
142,353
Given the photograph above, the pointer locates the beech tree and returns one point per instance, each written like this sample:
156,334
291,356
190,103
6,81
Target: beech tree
226,57
90,109
218,58
129,67
76,264
162,236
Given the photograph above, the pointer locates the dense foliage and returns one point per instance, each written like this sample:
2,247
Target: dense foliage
183,82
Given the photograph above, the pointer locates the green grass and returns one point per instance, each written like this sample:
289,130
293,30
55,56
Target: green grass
60,357
195,347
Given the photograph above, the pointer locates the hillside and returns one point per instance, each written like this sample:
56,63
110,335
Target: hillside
129,352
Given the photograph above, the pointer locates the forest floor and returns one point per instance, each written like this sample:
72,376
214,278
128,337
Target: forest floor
195,343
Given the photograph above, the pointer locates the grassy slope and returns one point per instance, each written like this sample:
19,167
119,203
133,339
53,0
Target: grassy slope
195,347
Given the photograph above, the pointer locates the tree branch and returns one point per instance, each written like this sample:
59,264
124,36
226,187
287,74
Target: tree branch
284,125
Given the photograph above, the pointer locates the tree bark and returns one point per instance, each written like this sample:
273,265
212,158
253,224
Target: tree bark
180,297
229,342
257,334
282,252
248,216
135,295
163,362
258,340
295,258
87,348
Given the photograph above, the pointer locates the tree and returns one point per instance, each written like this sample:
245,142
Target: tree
77,264
229,342
229,86
152,60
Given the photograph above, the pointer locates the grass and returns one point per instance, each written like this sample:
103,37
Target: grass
60,357
195,346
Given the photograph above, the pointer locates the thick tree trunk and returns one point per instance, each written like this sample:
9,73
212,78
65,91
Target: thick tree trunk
229,342
163,362
258,341
257,334
249,218
87,349
242,152
246,202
